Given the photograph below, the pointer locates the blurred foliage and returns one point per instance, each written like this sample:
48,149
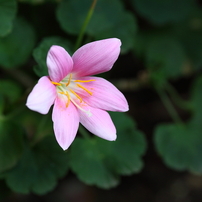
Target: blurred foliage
107,160
164,36
8,11
21,40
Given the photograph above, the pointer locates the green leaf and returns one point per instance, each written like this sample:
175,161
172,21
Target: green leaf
11,144
192,42
39,168
122,23
165,58
162,12
196,100
16,48
130,145
196,96
8,11
86,160
179,146
40,53
100,162
36,2
75,9
126,32
10,90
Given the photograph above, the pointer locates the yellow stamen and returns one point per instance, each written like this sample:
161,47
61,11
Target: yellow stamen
84,80
68,101
80,86
70,77
68,96
76,95
55,83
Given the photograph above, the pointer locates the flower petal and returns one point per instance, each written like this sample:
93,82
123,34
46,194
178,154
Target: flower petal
99,123
104,95
96,57
66,123
59,63
42,96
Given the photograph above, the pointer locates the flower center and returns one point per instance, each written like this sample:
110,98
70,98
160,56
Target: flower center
68,86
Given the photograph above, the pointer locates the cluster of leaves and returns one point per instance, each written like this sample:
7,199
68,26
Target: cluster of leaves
165,35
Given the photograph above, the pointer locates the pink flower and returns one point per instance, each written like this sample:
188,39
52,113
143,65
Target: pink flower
77,96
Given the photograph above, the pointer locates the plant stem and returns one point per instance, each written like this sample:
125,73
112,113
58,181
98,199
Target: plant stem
176,97
83,28
167,103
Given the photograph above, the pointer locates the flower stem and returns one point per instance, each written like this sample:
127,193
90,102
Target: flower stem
83,28
170,108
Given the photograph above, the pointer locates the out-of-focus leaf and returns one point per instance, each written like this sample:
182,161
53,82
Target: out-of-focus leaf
165,58
196,100
37,1
72,13
125,29
7,14
161,12
121,23
10,90
11,144
2,103
86,160
197,94
180,146
192,42
39,168
16,47
40,53
100,162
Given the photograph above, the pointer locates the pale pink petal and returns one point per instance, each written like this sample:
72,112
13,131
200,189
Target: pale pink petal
96,57
66,123
42,96
59,63
99,123
104,95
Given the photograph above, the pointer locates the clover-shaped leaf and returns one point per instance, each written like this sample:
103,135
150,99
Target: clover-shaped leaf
180,146
39,168
100,162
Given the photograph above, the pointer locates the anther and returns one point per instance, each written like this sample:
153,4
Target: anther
68,101
80,86
83,81
55,83
70,77
76,95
